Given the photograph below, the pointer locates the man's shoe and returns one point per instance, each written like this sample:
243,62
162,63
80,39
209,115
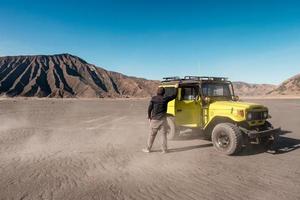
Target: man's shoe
164,151
146,150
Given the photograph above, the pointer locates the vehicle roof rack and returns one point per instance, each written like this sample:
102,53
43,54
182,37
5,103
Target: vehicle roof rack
194,78
206,78
171,78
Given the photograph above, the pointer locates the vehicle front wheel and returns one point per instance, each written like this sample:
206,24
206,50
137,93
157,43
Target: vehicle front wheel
173,130
227,138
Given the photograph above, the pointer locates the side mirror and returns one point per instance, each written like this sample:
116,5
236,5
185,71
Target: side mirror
198,98
235,98
207,100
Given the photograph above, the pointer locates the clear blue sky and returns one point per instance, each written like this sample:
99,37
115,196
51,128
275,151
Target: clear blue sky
256,41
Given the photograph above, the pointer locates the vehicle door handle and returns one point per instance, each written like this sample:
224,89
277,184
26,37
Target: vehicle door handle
178,110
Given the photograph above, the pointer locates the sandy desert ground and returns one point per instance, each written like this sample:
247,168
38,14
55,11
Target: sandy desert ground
91,149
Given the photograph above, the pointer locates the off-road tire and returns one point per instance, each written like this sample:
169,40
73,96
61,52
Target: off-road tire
227,138
173,130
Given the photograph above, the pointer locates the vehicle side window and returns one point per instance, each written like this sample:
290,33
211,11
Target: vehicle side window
189,93
213,89
169,91
218,90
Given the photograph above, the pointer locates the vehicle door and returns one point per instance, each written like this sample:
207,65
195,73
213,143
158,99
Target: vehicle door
188,107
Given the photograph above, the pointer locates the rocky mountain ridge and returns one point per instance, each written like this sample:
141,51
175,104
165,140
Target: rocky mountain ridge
289,87
65,75
248,89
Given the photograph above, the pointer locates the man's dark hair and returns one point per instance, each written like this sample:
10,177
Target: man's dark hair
160,91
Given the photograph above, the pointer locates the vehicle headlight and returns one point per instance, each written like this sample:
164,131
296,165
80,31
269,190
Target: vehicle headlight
249,116
265,115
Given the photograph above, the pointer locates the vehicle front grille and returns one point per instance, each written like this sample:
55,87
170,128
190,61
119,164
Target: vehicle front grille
257,115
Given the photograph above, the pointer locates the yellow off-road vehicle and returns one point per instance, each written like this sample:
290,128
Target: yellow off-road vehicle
208,104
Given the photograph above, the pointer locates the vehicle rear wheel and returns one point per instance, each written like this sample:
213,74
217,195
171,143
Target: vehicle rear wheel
173,130
227,138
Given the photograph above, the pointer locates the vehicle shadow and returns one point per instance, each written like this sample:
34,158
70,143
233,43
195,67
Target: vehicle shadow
284,145
187,135
190,135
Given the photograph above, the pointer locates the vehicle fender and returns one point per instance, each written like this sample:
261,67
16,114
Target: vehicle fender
216,120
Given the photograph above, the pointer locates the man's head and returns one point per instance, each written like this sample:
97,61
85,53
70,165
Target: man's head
160,91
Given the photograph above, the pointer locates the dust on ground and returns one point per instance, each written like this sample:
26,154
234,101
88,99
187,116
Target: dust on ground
91,149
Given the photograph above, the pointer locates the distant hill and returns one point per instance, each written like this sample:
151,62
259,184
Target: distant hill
65,75
289,87
247,89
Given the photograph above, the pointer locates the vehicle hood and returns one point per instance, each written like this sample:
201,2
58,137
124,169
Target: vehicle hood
235,104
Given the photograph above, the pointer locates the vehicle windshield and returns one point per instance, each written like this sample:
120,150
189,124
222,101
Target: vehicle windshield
217,90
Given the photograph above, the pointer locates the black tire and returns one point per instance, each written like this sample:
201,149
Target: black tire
227,138
173,130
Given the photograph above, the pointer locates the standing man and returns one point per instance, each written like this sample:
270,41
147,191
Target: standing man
157,115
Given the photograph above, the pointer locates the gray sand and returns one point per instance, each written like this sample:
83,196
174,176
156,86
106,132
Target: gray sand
91,149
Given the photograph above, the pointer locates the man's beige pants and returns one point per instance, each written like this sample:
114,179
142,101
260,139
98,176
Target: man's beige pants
155,126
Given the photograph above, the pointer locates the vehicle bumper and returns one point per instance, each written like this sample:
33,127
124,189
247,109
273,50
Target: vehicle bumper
255,134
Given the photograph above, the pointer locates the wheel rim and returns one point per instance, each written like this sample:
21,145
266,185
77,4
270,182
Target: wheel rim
223,140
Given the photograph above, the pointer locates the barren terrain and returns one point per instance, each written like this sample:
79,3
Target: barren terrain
65,75
91,149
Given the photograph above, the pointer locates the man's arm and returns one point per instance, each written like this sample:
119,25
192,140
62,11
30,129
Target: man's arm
170,98
150,107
